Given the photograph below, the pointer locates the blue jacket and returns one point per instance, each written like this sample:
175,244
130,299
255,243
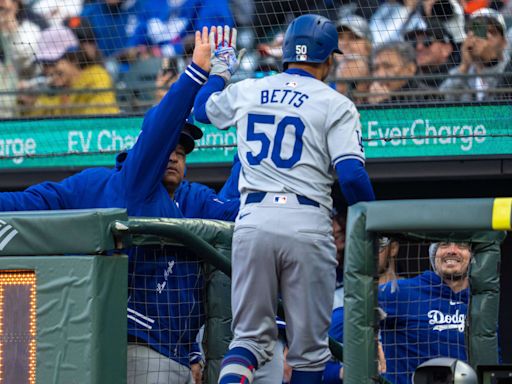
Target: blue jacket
163,24
425,319
198,201
230,188
159,275
112,26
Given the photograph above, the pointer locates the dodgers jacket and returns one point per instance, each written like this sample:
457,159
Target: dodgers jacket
165,23
425,319
161,281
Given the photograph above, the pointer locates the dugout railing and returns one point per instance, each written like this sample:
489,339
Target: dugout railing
481,222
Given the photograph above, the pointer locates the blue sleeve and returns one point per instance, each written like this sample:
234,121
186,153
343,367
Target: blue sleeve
390,300
214,84
354,181
195,355
332,373
146,163
230,188
336,329
44,196
198,201
332,369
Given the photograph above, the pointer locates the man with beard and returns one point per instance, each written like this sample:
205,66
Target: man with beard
426,314
484,56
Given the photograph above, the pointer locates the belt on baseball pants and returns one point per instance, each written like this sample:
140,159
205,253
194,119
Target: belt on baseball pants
257,197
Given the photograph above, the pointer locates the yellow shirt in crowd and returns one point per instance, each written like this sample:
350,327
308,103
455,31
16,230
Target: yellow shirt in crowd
88,103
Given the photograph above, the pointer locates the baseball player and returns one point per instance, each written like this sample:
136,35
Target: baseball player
292,128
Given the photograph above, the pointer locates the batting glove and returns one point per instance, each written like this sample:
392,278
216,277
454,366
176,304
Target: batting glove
224,59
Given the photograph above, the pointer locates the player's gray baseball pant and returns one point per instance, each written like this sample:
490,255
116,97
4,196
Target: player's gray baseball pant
283,247
146,366
272,372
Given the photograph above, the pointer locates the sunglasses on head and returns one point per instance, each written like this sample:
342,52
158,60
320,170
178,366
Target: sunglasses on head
426,41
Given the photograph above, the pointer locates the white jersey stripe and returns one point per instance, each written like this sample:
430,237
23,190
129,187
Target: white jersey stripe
236,369
348,156
141,315
191,75
140,322
197,73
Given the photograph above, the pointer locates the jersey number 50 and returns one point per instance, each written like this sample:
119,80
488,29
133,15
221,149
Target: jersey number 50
293,121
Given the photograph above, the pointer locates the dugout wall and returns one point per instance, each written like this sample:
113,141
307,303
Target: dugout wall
479,221
62,298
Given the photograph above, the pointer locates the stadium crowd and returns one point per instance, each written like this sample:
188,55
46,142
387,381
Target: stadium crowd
102,56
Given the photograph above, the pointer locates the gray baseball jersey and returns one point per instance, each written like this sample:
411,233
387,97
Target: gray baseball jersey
291,129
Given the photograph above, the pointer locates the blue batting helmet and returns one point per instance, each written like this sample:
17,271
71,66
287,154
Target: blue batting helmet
310,39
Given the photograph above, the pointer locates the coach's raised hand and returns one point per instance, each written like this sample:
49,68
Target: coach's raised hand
224,59
202,53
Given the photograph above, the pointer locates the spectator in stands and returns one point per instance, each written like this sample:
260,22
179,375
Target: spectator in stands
113,22
274,48
426,314
270,15
394,17
84,32
387,21
436,52
19,32
55,11
349,68
390,60
72,70
484,56
167,75
354,35
448,13
168,26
